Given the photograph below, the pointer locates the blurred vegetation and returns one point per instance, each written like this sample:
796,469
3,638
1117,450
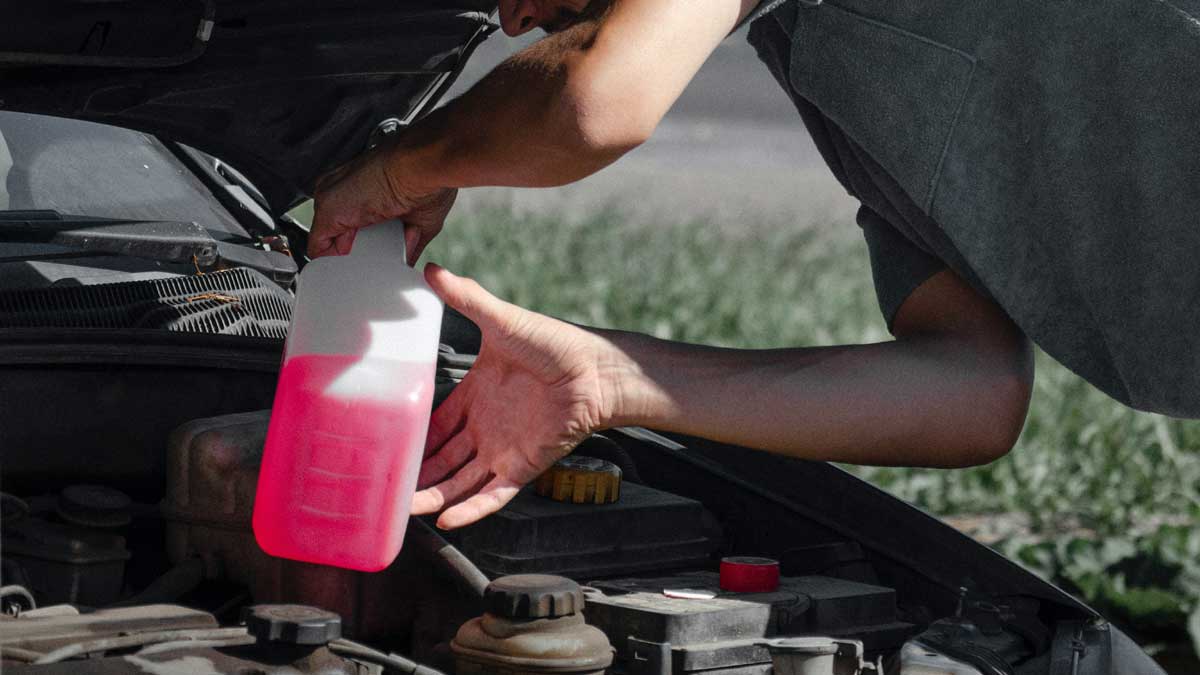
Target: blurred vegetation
1099,498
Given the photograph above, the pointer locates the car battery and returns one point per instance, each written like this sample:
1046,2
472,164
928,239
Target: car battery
684,623
644,530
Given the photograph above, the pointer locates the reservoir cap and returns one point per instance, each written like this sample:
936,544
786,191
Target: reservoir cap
533,596
580,480
94,506
292,624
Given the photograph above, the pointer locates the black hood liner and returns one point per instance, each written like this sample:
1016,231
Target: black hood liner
281,90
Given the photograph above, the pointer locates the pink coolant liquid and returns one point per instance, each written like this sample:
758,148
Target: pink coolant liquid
340,467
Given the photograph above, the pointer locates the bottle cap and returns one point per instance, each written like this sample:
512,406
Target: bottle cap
747,574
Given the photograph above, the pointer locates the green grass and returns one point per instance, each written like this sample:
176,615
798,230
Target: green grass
1097,497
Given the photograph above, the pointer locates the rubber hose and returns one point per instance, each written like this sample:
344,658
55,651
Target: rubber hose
450,558
603,447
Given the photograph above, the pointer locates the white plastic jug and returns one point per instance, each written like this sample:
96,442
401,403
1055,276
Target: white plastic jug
351,411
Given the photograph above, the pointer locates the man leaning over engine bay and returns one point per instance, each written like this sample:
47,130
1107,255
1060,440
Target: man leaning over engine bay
1027,171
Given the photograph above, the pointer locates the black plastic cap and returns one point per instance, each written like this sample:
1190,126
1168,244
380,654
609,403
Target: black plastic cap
533,596
94,506
292,624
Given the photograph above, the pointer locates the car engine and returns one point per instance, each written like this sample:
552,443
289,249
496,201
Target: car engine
182,585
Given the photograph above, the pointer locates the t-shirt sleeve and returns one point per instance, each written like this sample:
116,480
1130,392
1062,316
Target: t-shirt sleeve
762,8
898,266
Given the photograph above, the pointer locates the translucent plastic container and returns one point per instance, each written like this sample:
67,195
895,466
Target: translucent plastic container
347,429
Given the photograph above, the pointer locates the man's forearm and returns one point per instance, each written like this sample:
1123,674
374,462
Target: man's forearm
572,103
526,124
934,401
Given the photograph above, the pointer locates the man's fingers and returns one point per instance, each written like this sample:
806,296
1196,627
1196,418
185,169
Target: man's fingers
418,248
426,501
453,454
318,248
319,243
344,242
463,294
490,499
466,481
412,243
329,240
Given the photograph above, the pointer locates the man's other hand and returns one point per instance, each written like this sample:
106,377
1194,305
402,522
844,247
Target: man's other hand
532,395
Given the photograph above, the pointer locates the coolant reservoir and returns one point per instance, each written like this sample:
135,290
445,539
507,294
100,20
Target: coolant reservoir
352,408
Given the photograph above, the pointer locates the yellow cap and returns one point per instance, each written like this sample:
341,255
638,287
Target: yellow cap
580,480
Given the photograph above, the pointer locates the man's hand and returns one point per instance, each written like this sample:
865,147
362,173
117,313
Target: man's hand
951,391
533,394
371,189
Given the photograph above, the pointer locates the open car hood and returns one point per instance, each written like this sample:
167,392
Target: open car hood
281,90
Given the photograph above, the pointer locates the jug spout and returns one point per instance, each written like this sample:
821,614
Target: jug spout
383,240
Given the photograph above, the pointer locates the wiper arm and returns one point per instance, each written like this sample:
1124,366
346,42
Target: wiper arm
162,240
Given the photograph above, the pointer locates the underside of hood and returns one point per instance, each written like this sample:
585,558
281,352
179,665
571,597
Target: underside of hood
282,90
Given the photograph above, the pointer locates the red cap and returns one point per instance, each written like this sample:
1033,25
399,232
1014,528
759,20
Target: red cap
745,574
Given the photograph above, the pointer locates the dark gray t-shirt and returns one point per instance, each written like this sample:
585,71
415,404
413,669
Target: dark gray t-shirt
1057,177
906,247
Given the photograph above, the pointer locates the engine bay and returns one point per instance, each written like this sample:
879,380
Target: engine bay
142,560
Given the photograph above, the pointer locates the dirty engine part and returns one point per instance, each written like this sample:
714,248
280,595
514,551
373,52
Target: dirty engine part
723,632
171,639
534,624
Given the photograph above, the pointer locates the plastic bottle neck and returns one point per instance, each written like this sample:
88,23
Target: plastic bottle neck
380,242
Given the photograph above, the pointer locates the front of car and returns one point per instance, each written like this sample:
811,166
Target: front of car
149,154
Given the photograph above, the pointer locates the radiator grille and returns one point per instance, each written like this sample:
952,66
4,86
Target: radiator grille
230,302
